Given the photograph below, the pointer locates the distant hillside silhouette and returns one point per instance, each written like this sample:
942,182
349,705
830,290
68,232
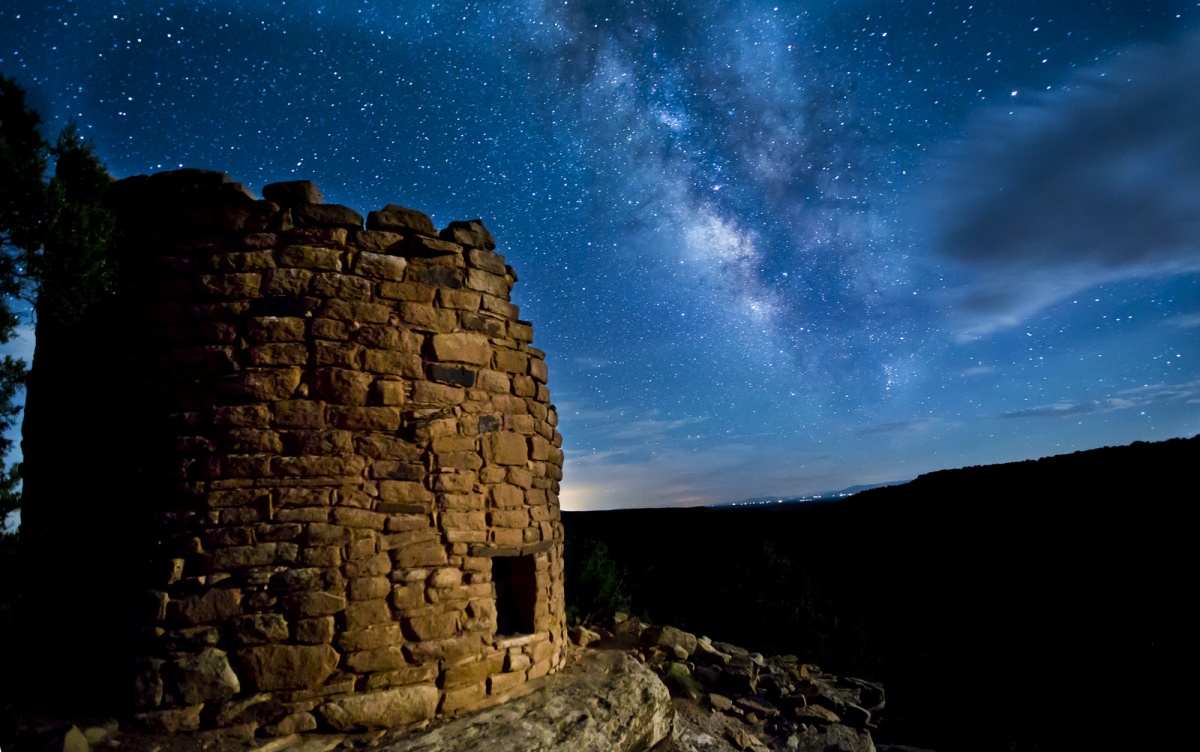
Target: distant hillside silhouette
1012,606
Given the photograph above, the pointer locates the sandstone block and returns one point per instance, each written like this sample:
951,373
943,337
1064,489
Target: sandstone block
455,375
261,385
216,605
462,347
369,588
505,448
445,577
370,566
471,233
241,261
272,667
430,249
521,331
403,677
359,518
379,636
315,603
377,659
453,482
171,721
393,217
315,631
492,381
492,284
404,492
341,286
514,518
420,555
237,285
388,392
327,214
501,684
512,361
289,282
308,257
380,266
473,672
258,629
392,363
377,240
464,698
364,614
364,418
451,650
384,709
517,661
201,677
411,292
341,354
507,497
431,626
429,393
293,192
407,597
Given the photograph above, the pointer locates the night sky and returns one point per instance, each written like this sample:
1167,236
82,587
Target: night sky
770,248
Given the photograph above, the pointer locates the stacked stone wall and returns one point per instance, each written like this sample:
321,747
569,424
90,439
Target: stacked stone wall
345,426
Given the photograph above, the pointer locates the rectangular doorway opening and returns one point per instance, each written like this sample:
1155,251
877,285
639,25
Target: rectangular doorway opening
515,578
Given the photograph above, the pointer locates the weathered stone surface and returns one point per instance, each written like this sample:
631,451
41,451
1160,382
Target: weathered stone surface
171,720
287,666
608,703
385,709
380,266
201,677
462,347
471,233
327,214
215,605
259,629
293,192
834,737
393,217
505,448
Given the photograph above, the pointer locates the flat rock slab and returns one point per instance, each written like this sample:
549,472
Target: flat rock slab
608,702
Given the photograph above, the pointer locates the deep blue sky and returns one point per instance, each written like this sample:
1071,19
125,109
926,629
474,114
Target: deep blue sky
771,248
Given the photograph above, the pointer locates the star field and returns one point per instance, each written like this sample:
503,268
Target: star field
769,248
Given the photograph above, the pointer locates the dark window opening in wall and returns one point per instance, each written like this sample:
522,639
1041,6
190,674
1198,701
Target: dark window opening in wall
515,578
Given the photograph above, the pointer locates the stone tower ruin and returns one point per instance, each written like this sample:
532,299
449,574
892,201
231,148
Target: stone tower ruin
294,473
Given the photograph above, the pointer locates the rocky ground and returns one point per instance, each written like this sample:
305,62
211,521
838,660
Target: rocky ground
727,698
628,686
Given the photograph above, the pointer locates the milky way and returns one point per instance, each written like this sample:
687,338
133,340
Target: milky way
769,248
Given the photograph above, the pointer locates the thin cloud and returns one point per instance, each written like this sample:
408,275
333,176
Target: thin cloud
1091,184
1139,397
900,426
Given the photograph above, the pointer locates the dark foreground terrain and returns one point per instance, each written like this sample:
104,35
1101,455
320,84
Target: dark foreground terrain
1039,605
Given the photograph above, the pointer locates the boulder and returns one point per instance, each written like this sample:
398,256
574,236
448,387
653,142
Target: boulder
389,708
201,677
672,640
835,737
393,217
582,636
681,681
608,701
471,233
293,192
271,667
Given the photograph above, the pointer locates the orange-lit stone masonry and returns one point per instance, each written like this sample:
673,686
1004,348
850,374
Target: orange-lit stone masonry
362,529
